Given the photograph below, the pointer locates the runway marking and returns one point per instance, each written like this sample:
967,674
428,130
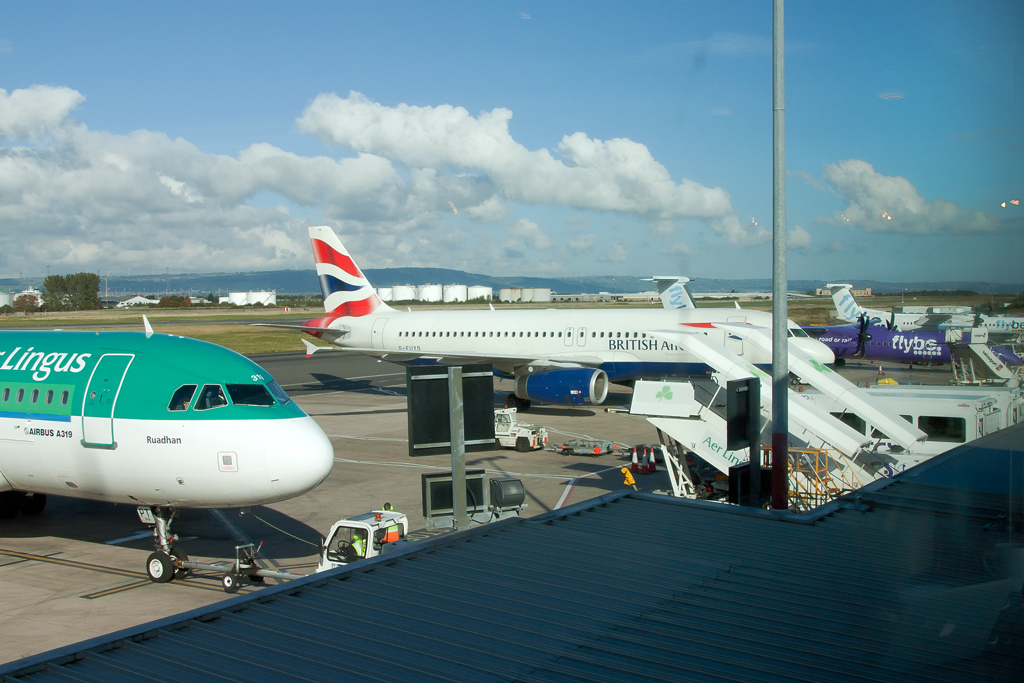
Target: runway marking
134,537
417,465
572,483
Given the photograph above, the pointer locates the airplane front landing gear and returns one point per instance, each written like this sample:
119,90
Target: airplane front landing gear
166,562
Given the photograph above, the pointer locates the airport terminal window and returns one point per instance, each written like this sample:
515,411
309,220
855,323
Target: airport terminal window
944,429
278,392
182,397
212,396
250,395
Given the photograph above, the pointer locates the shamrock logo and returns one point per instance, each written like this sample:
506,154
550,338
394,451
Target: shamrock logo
665,393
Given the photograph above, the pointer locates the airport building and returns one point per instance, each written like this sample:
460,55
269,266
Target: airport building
914,578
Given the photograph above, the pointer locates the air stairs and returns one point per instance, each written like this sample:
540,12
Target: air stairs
974,364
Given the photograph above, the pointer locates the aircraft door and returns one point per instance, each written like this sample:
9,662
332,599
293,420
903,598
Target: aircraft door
377,334
581,338
568,336
733,342
100,398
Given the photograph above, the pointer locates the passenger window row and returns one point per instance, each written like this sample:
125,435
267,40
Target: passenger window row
34,396
542,335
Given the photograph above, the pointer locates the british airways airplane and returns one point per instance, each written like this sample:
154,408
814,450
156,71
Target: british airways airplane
152,420
560,356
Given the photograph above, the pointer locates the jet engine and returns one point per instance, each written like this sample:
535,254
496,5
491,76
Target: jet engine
571,386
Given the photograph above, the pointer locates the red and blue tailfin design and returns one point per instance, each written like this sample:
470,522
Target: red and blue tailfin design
346,291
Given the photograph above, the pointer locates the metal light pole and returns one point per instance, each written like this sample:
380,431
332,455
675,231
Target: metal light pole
780,342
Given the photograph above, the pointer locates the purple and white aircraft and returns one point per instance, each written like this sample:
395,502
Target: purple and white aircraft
878,343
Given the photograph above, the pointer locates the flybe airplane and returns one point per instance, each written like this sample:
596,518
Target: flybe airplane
563,356
878,343
998,326
153,420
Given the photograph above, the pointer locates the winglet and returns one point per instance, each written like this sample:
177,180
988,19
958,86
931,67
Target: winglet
311,348
492,306
149,328
737,304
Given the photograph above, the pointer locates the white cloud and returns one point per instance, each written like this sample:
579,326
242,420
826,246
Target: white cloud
740,234
28,113
531,234
617,254
881,203
798,238
584,244
612,175
74,198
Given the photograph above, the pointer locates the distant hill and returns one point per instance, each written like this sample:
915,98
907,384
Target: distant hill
305,282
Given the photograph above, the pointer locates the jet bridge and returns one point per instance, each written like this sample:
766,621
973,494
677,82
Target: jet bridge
697,427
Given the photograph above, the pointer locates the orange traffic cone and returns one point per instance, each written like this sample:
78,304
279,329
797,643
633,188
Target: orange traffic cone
634,466
880,370
652,467
644,467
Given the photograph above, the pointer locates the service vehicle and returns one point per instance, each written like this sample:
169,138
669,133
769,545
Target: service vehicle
367,535
509,433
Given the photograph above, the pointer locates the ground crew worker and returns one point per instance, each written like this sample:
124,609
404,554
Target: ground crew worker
359,543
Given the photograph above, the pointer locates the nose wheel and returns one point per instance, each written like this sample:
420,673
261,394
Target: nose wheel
167,562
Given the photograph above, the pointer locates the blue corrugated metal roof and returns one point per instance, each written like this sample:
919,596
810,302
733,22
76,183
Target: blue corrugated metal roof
899,584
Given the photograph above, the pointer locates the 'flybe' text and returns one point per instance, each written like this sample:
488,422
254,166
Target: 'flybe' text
41,363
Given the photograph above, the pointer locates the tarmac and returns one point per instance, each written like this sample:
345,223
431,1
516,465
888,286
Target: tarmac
77,570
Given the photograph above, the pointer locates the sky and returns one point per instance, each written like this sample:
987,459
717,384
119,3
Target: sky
551,139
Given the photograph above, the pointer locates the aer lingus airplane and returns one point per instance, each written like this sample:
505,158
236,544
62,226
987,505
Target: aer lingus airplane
154,420
565,356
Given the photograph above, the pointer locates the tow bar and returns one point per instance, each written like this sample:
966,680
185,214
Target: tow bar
244,568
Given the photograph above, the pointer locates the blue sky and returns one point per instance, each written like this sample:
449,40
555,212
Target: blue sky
571,138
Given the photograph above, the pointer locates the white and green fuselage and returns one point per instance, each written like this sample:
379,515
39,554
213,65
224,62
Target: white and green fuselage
158,420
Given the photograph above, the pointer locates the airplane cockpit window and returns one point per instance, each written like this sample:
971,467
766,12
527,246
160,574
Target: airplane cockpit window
798,332
212,396
250,395
182,397
278,392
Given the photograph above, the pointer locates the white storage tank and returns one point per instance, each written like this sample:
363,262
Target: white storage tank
6,299
542,294
237,298
429,293
527,295
385,293
510,294
262,298
480,292
403,293
455,293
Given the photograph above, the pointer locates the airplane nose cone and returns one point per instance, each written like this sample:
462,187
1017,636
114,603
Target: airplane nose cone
299,456
816,350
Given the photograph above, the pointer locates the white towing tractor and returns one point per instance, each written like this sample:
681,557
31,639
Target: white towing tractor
511,434
367,535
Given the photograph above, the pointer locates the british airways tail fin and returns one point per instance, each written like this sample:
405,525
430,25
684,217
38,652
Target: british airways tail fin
673,291
345,289
847,307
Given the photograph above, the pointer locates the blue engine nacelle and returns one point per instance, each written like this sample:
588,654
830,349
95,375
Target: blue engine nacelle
572,386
